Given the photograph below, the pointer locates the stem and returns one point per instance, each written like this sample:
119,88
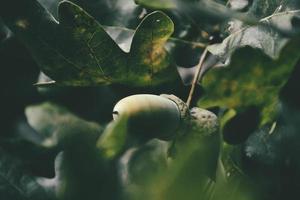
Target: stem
196,77
288,12
195,44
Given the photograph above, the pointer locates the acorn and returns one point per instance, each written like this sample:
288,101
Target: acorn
151,116
140,118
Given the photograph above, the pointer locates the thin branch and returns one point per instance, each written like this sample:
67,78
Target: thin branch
195,44
271,25
196,77
263,20
214,8
279,14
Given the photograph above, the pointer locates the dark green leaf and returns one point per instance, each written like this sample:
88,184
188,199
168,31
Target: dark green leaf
35,158
15,184
78,51
252,78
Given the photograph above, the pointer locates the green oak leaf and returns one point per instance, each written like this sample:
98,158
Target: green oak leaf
77,51
252,79
263,36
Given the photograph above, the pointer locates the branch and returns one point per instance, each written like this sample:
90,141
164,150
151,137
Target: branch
196,77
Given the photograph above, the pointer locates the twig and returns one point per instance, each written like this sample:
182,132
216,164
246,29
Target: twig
264,20
196,77
288,12
195,44
224,12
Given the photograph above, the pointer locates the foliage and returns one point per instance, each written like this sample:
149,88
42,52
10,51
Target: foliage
246,83
15,184
104,61
92,53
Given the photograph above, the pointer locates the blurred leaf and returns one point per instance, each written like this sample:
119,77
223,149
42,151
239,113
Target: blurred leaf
15,184
50,5
84,175
239,4
263,8
273,151
36,159
78,51
124,13
57,124
4,32
19,72
141,165
82,172
191,171
266,147
187,176
265,37
240,126
228,115
113,140
157,4
252,79
237,186
45,118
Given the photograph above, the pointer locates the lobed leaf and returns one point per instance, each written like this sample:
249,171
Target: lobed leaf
77,51
252,78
